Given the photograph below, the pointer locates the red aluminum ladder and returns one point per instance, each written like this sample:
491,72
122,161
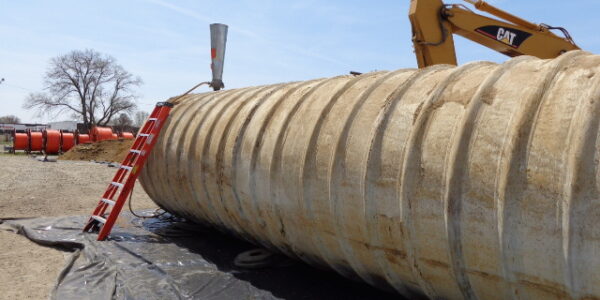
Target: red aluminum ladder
127,174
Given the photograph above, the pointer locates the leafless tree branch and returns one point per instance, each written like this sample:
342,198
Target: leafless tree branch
89,84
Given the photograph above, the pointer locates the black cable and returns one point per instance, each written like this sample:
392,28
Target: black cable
563,30
155,215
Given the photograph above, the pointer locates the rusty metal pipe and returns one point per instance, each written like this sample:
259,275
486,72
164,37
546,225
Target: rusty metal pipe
479,181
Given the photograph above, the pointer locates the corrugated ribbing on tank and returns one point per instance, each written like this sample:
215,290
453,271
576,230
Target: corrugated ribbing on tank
478,181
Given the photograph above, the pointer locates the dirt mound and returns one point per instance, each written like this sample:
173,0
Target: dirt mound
110,150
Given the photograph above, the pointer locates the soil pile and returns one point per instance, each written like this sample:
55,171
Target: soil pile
109,150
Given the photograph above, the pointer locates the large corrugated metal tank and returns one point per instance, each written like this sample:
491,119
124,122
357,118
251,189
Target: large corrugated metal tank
478,181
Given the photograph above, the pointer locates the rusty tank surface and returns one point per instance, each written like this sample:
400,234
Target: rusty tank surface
471,182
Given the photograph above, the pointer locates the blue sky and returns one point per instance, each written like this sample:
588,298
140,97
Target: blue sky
167,42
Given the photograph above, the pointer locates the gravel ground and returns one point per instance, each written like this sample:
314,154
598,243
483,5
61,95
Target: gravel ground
30,188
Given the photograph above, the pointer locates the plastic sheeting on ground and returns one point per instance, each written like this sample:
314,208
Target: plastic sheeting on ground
162,258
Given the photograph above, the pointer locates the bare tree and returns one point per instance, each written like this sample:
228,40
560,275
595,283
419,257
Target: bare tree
139,118
10,119
89,84
122,123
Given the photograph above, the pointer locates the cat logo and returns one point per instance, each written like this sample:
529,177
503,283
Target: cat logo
510,37
505,36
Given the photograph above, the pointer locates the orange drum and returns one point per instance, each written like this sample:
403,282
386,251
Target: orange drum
36,141
127,135
83,138
101,134
67,140
51,141
20,141
115,136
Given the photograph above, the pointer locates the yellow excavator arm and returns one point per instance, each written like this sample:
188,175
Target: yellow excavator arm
434,23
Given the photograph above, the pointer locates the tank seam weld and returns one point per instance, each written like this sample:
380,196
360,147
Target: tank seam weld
310,160
192,150
218,168
192,113
405,185
205,153
167,139
276,165
380,123
234,157
257,148
578,171
339,171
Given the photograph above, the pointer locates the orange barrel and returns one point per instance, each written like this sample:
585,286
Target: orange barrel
102,133
20,141
36,141
115,136
127,135
67,141
51,141
83,138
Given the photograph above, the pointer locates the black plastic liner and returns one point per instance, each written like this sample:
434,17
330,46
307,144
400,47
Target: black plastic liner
162,258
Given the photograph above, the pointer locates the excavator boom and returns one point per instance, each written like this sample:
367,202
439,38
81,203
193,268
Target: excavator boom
434,23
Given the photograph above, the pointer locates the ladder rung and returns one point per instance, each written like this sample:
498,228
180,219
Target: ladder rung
120,185
99,219
108,201
128,168
131,163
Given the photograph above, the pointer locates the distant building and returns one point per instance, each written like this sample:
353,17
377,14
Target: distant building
64,125
4,127
6,130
